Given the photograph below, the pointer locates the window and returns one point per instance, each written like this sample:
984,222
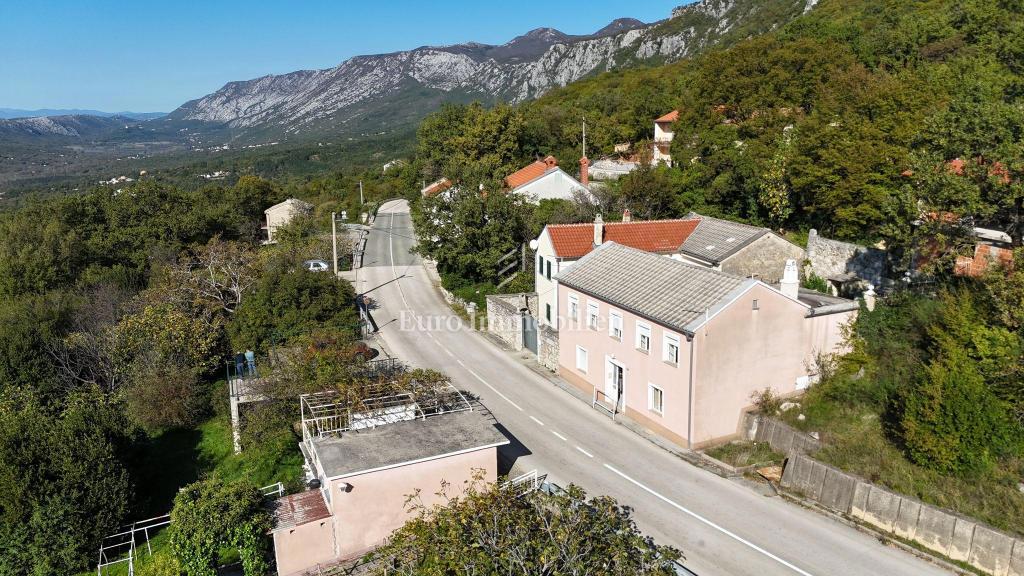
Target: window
670,350
540,265
755,306
643,337
547,312
592,313
574,307
615,325
582,359
655,399
549,270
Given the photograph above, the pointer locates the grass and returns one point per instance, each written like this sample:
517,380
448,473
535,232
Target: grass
739,454
854,440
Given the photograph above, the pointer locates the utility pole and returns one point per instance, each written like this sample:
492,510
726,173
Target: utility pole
360,192
334,242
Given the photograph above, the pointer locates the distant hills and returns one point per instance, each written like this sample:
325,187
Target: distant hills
7,113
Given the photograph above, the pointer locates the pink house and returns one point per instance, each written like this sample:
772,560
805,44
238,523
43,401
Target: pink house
362,466
681,348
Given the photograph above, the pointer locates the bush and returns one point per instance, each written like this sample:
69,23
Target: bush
952,422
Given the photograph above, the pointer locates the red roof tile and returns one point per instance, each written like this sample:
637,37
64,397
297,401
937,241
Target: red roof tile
670,117
531,172
657,236
436,188
298,509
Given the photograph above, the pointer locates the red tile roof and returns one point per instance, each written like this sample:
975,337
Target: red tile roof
670,117
531,172
985,256
298,509
657,236
436,188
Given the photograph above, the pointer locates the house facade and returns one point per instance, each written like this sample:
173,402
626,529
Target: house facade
361,468
681,348
663,135
281,214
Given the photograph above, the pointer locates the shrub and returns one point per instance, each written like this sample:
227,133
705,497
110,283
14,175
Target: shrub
767,401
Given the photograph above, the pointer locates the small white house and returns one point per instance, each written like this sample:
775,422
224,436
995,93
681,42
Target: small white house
281,214
663,136
544,180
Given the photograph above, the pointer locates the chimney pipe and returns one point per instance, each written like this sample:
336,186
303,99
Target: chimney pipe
585,171
627,216
790,284
598,230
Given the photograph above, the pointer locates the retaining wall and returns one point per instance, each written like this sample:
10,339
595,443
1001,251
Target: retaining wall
505,318
949,534
781,437
547,347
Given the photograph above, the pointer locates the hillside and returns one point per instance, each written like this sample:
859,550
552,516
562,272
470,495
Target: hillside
384,92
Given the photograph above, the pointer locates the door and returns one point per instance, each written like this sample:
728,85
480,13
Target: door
615,384
529,332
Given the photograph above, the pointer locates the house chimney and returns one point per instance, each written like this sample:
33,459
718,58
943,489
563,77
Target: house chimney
585,171
598,230
790,284
627,216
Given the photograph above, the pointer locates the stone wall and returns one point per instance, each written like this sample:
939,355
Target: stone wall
949,534
547,347
504,317
779,436
832,258
764,258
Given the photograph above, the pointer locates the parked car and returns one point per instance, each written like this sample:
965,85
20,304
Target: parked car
316,265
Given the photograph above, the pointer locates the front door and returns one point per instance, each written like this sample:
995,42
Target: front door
615,384
529,332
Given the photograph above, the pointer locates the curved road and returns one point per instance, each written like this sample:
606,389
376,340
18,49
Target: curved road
722,526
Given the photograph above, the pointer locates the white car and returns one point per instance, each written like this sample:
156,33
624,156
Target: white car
316,265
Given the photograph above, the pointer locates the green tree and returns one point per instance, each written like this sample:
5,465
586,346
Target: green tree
212,514
489,530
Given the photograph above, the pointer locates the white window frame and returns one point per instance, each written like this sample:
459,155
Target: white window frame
574,307
583,366
668,339
615,324
593,315
660,410
643,329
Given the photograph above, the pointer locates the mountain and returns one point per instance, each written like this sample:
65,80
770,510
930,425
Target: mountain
72,126
7,113
387,92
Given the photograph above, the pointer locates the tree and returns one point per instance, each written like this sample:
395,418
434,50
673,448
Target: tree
211,514
775,192
214,277
491,530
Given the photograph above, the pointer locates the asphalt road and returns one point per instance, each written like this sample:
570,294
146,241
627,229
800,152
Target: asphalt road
722,526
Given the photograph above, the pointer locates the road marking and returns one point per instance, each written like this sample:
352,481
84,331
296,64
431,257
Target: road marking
585,453
394,271
564,439
446,351
495,390
537,421
709,523
461,363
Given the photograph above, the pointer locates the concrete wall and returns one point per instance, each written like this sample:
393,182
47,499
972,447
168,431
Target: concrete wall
949,534
375,506
780,437
301,548
829,258
764,258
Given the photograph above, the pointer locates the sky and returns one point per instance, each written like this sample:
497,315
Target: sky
153,56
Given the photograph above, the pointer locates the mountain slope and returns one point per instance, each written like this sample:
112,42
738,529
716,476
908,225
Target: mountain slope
318,102
7,113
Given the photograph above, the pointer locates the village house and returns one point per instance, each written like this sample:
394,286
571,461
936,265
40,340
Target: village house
738,249
435,188
281,214
544,180
663,135
362,465
680,348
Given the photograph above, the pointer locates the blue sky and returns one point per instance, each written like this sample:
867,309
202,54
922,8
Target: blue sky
153,56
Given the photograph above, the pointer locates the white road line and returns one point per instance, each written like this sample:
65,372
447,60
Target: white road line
446,351
585,453
537,421
710,523
564,439
461,363
493,389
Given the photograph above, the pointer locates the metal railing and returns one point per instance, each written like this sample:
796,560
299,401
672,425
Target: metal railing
122,547
605,403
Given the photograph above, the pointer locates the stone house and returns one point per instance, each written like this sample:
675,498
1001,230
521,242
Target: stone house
281,214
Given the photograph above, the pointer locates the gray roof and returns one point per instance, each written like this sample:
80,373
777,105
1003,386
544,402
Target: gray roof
663,290
405,442
715,239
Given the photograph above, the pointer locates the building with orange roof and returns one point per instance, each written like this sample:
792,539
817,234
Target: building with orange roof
435,188
544,180
663,135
